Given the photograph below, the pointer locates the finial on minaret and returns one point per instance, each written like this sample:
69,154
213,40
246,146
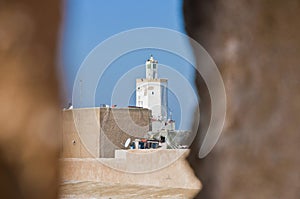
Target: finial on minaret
151,68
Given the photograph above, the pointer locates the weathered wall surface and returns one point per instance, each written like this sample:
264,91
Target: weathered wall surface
97,132
256,46
75,144
129,168
119,124
29,99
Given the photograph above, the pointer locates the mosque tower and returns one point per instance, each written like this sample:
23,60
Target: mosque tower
151,92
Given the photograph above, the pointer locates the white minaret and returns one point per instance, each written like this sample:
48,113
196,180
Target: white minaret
151,92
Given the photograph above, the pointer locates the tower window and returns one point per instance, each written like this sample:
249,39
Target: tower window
154,66
152,93
140,103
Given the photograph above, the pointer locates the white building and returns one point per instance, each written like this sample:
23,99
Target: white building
152,93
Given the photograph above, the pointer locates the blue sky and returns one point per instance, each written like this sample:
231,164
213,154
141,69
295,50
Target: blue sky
88,23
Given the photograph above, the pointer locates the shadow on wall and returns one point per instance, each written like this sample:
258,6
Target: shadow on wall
256,46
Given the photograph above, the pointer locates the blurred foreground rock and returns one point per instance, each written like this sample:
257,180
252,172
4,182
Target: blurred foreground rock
256,46
29,99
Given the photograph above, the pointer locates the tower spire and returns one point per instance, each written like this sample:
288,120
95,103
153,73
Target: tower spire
151,68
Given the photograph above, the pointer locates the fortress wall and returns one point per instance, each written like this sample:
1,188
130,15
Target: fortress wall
98,132
87,138
175,175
